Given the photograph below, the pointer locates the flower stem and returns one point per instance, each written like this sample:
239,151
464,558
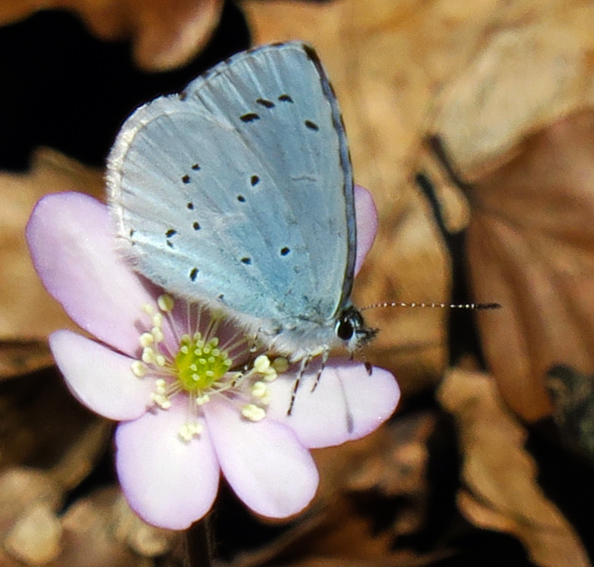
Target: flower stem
199,544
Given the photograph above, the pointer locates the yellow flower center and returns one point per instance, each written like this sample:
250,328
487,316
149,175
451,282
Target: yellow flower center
200,367
199,363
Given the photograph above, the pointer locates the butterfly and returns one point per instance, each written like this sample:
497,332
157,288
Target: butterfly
238,193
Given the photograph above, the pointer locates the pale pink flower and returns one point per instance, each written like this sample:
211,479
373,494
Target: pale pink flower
176,435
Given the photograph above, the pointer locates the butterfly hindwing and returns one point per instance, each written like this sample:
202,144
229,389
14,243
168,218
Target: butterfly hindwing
239,190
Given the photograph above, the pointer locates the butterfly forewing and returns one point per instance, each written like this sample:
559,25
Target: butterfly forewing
239,191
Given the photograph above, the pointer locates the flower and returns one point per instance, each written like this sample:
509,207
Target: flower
192,398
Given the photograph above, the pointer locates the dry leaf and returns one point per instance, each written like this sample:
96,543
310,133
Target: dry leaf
502,492
27,313
514,132
22,357
164,34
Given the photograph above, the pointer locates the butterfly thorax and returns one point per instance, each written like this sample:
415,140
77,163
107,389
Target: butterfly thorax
310,338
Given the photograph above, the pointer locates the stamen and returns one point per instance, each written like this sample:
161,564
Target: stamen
148,355
253,412
146,339
198,365
280,364
189,430
166,303
139,369
157,334
262,364
259,389
203,399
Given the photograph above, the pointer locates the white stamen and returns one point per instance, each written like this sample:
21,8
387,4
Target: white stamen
165,303
146,339
280,364
261,364
259,389
139,369
189,430
148,355
253,412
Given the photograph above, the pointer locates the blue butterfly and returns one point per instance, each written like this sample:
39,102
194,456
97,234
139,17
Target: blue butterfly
238,194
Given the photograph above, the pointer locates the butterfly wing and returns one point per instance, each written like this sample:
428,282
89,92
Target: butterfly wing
238,193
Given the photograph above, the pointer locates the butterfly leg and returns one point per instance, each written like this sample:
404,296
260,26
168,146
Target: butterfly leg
304,364
325,356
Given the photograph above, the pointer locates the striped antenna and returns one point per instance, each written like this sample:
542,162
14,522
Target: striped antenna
434,305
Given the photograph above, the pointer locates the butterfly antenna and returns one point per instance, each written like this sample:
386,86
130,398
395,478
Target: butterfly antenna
434,305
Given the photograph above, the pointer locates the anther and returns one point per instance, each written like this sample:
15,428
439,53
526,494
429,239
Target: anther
166,303
138,369
253,412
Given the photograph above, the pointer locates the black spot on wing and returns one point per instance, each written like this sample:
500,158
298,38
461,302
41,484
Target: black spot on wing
247,261
312,125
249,117
171,232
254,180
196,226
285,98
193,274
241,198
190,206
284,250
186,179
265,103
195,167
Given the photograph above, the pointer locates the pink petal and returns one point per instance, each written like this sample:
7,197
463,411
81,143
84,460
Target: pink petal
169,483
72,247
264,462
99,377
366,216
347,403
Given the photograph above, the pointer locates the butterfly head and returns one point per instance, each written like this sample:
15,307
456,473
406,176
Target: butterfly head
351,328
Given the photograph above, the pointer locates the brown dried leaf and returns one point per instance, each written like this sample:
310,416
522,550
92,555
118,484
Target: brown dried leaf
88,534
165,34
515,132
502,492
35,537
27,313
518,133
22,357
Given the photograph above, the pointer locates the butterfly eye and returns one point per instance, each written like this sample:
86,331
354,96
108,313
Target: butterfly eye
345,329
351,328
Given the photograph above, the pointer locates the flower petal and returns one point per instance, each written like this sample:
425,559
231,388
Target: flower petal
366,217
169,483
348,403
71,243
100,378
264,462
